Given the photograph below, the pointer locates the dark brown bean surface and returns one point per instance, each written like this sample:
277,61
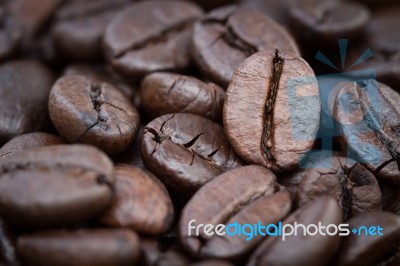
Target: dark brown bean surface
151,36
29,141
167,93
326,21
362,250
85,111
8,254
55,185
153,255
186,151
141,202
10,33
232,198
81,24
98,247
228,35
24,91
304,250
272,110
352,185
368,116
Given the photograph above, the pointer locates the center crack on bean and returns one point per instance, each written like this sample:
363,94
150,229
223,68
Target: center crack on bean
266,139
158,38
346,197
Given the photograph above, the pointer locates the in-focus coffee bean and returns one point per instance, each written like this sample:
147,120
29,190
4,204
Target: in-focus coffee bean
272,110
167,93
186,151
85,111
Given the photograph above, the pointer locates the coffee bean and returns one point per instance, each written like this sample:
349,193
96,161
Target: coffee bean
228,35
298,249
85,111
360,249
324,22
81,24
232,198
276,9
29,141
275,120
384,41
151,36
10,33
54,185
391,198
354,187
153,256
368,116
186,151
24,91
132,155
141,202
212,263
98,247
165,93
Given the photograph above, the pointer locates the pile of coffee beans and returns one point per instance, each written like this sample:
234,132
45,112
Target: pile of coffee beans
133,132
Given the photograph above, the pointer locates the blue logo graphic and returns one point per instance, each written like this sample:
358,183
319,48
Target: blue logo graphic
329,125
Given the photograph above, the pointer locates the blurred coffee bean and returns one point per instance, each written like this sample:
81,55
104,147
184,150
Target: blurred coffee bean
368,116
231,198
81,23
98,247
186,151
351,184
275,120
24,91
276,9
317,22
384,42
141,202
85,111
166,93
29,141
151,36
212,263
10,33
312,250
54,185
227,36
152,255
381,248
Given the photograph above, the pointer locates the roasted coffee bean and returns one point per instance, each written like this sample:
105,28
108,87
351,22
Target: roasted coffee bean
384,42
309,250
351,184
366,249
324,22
391,198
141,202
151,36
10,33
247,194
8,256
152,255
228,35
24,91
272,110
79,27
276,9
166,93
186,151
32,17
98,247
368,116
85,111
29,141
54,185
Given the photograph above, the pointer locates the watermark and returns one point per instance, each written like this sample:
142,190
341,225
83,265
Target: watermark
329,124
249,231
